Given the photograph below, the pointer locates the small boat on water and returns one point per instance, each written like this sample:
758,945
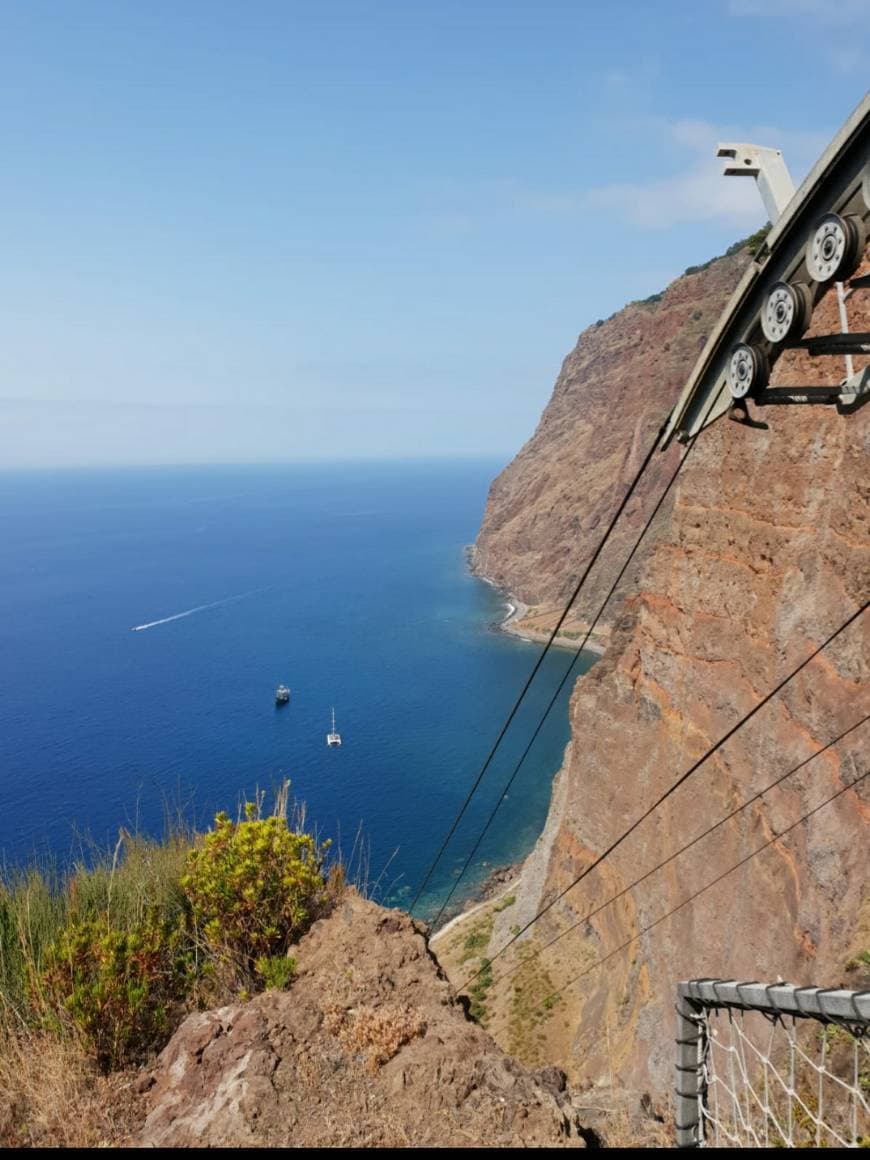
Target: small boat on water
333,738
282,695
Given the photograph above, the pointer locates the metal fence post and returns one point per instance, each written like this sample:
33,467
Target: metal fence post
690,1055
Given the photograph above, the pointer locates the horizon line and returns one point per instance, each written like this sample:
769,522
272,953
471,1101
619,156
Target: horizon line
188,465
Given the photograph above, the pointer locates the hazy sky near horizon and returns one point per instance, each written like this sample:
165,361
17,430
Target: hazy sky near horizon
365,228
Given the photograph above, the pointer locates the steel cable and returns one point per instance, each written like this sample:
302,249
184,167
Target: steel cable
680,781
677,853
571,668
631,489
692,897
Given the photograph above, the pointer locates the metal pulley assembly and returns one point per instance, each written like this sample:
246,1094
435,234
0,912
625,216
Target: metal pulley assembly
834,250
787,311
811,253
835,247
748,370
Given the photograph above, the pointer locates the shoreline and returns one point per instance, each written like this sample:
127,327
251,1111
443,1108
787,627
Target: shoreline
517,610
497,885
500,880
533,636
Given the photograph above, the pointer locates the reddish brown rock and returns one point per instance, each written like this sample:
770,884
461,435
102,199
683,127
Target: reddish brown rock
547,510
766,550
368,1047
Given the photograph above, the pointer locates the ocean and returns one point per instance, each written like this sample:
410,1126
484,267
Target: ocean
149,614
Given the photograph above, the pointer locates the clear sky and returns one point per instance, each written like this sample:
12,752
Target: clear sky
262,229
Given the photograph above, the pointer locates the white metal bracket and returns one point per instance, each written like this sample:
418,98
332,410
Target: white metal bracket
854,391
769,169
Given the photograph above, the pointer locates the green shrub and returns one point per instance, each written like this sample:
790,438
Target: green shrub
477,993
476,940
753,243
254,886
276,972
650,301
120,947
119,988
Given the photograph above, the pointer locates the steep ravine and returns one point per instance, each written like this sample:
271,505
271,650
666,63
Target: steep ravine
764,551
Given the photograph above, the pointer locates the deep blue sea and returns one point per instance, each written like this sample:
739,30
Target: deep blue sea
346,582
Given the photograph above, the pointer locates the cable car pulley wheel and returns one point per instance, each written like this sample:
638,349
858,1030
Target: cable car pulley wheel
748,370
787,311
835,247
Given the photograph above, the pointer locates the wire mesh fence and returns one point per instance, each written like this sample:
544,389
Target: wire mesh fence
772,1065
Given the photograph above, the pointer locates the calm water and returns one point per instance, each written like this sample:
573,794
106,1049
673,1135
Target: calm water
348,583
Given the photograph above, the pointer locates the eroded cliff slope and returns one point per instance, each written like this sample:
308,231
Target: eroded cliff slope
763,553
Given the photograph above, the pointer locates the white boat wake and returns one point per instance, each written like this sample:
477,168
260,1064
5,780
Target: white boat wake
191,611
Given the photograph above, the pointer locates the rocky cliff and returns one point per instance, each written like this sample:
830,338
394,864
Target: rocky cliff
549,507
369,1047
763,552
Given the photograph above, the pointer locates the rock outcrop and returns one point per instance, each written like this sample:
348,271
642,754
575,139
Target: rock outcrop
763,553
369,1047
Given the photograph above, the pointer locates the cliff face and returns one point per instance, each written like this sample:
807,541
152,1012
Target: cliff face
763,553
549,507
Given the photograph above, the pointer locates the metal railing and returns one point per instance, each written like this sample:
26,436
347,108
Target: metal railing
771,1065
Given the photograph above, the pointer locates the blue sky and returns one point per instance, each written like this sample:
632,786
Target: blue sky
365,228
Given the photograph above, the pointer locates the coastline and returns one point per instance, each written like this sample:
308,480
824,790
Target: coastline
517,613
494,887
532,636
501,879
514,622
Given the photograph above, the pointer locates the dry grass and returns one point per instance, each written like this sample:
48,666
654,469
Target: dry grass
377,1033
526,1006
51,1096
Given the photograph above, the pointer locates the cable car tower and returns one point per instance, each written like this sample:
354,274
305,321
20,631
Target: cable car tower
817,241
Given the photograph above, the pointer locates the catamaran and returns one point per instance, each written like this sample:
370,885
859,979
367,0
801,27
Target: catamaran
333,738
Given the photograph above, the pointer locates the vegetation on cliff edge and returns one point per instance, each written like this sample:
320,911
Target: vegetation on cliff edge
112,955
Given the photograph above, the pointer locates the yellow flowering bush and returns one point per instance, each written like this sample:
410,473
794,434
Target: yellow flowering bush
254,886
